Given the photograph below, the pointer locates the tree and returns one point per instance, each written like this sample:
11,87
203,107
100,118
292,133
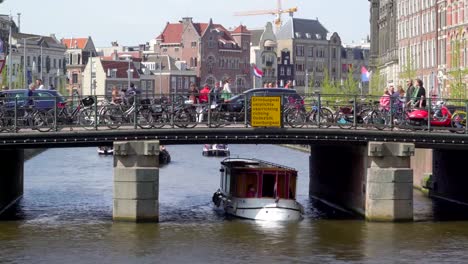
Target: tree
329,86
20,78
375,83
457,73
408,71
5,76
350,85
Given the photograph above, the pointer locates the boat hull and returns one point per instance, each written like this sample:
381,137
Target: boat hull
217,153
263,209
105,151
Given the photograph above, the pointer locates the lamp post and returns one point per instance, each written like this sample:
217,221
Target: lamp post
160,76
9,55
24,60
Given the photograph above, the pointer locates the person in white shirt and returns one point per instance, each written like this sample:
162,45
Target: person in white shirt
39,84
226,92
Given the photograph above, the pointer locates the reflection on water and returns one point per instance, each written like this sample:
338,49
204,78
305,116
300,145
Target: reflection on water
66,217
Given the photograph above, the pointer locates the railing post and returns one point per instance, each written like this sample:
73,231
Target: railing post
95,113
209,110
466,111
55,114
246,108
429,107
392,108
355,112
15,122
171,113
319,105
135,112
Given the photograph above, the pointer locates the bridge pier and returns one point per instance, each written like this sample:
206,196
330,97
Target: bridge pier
449,179
389,194
375,180
136,181
11,178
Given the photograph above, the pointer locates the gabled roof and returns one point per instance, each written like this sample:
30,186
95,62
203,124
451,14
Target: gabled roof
75,43
298,28
45,41
121,67
241,29
172,33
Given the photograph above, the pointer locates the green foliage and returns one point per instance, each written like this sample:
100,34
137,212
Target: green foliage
5,76
375,83
457,73
329,86
408,71
351,85
20,78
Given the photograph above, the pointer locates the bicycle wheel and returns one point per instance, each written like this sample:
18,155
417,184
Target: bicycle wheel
217,119
145,118
7,121
378,120
112,116
326,118
160,119
185,119
87,119
344,121
295,118
42,121
459,122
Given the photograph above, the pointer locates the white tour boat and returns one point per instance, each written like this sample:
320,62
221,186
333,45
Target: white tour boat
259,190
216,150
104,150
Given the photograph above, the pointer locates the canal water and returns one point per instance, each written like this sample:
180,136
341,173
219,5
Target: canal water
66,217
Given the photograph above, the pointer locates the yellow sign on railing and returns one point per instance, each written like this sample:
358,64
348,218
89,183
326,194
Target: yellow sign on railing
266,111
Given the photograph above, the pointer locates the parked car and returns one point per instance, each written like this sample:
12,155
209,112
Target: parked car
43,99
236,103
233,109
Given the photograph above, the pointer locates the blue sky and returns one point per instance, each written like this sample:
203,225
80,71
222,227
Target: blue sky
138,21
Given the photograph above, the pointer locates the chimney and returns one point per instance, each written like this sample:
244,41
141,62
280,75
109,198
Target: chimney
187,20
115,56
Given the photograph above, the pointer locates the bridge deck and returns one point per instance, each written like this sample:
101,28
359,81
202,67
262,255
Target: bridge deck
231,135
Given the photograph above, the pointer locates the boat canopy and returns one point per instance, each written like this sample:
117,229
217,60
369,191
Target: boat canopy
257,179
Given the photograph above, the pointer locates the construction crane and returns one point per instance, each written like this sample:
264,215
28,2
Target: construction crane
276,12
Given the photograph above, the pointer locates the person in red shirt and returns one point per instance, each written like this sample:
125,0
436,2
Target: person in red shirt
204,94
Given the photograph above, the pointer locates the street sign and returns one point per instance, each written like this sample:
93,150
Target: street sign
266,111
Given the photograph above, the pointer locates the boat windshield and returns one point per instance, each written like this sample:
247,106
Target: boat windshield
263,184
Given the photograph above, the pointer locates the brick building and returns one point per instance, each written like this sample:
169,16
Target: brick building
79,50
452,22
417,39
209,49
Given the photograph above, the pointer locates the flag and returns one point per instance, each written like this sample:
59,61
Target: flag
365,74
257,72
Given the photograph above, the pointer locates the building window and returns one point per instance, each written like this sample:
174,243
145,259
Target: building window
300,51
75,78
311,52
288,71
194,44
